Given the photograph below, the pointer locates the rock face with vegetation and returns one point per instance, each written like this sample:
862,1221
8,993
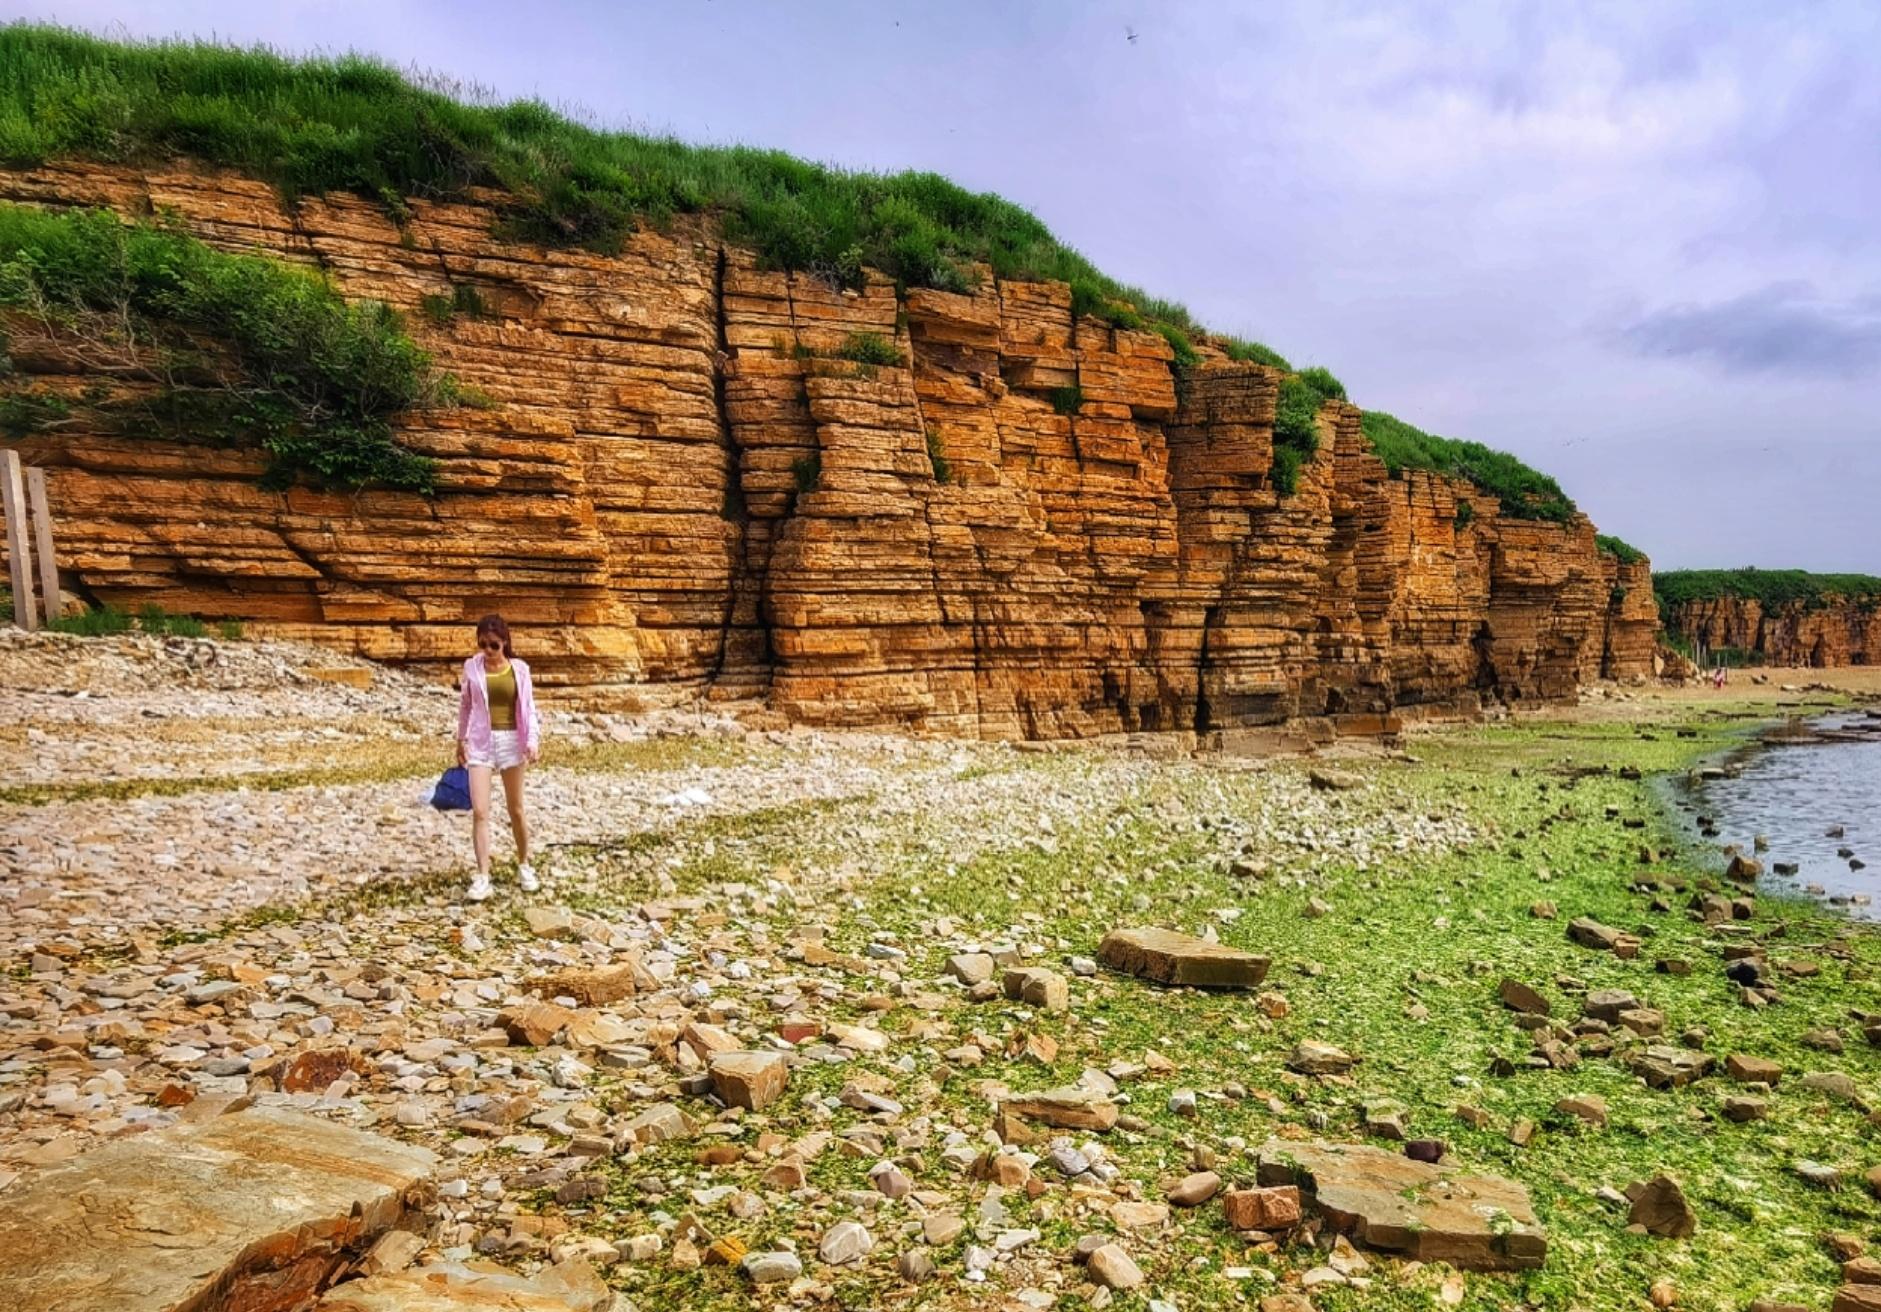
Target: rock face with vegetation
1774,617
978,492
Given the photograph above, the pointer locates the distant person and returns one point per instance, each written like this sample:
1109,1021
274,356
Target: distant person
497,729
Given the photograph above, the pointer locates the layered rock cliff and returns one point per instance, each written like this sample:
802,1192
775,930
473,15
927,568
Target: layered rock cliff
1818,633
679,484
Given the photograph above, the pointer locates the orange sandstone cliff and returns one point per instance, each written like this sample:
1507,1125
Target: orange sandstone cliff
1834,631
672,489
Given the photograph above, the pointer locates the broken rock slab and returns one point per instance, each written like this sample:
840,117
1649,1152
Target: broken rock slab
571,1286
601,985
1408,1208
1167,957
1066,1109
1663,1066
257,1209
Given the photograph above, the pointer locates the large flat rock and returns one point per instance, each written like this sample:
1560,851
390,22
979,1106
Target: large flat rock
1409,1208
454,1287
1167,957
255,1210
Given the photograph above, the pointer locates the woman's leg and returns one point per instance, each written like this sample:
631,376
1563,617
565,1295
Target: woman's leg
518,823
480,816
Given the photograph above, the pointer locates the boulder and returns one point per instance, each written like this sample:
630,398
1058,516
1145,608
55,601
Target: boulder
257,1209
535,1024
1590,933
1275,1208
1038,987
971,968
571,1286
752,1080
1607,1004
1410,1209
1518,996
1113,1268
1662,1066
1753,1070
1167,957
1066,1109
1311,1057
1194,1190
1659,1208
599,986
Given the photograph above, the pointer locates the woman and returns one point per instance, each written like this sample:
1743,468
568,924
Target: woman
497,730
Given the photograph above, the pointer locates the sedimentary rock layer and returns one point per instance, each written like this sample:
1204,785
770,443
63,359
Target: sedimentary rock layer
1818,634
679,483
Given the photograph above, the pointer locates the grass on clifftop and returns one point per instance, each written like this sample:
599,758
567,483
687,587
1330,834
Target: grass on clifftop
353,124
314,380
1770,587
1525,493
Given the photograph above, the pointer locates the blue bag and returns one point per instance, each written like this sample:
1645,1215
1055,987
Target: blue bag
453,790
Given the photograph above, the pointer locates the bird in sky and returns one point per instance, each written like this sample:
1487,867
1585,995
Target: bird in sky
1129,34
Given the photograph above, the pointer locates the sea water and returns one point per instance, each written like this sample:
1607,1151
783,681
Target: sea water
1797,794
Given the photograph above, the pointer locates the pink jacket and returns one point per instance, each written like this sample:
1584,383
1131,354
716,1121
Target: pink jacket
473,708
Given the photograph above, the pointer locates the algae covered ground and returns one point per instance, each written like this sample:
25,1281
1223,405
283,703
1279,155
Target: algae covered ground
1400,971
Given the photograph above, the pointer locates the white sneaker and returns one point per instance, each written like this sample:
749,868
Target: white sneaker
526,878
480,889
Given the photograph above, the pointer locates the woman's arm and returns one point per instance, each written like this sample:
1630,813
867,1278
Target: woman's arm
463,717
526,717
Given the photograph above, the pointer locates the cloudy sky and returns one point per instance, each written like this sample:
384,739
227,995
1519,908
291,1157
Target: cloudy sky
1636,244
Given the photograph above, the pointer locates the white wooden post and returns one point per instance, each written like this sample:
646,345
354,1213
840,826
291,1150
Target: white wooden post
41,506
19,558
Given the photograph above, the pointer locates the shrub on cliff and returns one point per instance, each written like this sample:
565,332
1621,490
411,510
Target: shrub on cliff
1624,552
1524,493
221,346
1296,423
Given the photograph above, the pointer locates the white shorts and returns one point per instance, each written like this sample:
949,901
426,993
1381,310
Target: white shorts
505,747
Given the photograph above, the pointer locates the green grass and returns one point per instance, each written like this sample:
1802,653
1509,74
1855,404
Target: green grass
1773,588
1253,353
1624,552
315,380
100,623
1524,493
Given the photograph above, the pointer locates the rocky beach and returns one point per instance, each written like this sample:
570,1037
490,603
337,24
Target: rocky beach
846,1019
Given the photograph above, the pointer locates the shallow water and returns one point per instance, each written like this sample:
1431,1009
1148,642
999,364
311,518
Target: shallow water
1794,794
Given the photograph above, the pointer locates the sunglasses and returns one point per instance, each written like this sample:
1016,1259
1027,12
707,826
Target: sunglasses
494,644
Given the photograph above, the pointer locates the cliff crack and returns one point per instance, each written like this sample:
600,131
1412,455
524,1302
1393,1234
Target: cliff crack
733,509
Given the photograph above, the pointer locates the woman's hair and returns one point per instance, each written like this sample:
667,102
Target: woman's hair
494,624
